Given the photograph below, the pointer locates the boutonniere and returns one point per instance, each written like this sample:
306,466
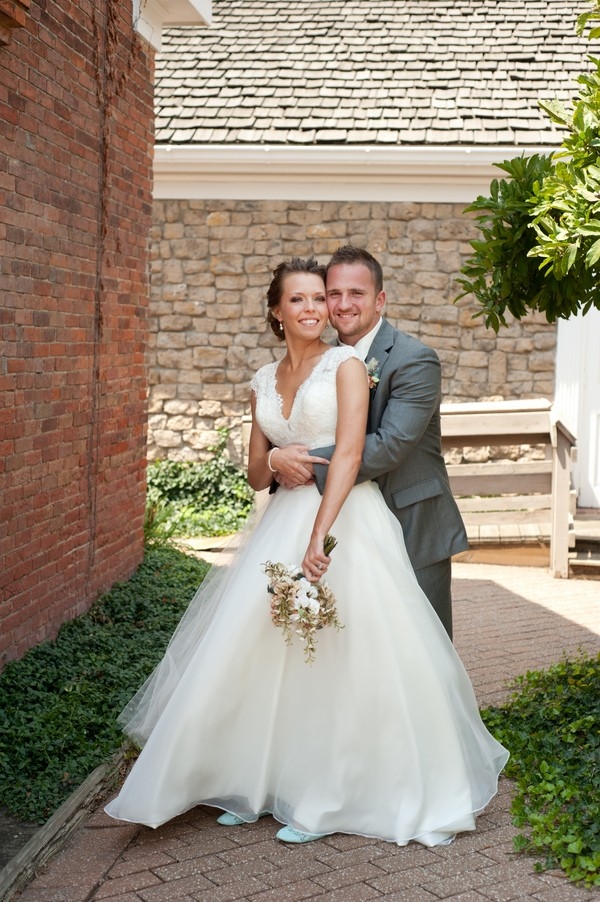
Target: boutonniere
373,373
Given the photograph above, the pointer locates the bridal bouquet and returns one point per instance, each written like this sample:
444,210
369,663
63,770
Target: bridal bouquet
299,606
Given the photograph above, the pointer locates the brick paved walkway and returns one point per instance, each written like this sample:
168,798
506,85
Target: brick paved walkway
508,620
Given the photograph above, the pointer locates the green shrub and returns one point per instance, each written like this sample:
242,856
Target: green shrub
551,726
186,498
59,703
539,244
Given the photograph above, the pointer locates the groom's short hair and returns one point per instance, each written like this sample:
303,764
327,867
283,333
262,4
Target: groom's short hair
350,254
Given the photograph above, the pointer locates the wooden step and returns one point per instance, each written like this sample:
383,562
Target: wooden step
499,526
499,479
501,503
586,554
585,570
592,563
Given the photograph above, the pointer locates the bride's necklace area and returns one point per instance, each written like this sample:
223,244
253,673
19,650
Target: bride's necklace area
289,380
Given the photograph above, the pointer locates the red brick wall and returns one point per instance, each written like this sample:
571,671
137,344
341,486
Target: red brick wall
76,130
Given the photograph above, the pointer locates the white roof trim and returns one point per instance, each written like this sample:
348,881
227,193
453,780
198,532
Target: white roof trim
150,16
360,173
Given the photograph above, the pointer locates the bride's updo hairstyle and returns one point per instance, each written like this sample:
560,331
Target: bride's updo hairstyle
275,290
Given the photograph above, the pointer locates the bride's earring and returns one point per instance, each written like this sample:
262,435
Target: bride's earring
280,326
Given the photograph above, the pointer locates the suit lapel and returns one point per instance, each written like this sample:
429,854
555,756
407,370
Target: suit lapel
379,351
382,344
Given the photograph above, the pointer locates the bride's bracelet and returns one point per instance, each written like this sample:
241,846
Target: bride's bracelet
269,456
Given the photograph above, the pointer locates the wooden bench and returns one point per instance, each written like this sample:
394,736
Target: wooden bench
536,492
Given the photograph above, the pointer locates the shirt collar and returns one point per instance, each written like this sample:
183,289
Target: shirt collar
363,344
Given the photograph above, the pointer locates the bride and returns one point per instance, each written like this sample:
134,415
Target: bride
381,735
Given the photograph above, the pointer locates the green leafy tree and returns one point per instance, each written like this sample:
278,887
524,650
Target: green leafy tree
539,248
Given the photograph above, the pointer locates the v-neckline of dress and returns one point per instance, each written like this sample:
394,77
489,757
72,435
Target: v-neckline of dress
299,389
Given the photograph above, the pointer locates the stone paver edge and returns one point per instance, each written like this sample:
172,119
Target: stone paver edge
53,835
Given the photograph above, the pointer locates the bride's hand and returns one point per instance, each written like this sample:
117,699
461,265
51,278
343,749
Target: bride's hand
315,562
294,465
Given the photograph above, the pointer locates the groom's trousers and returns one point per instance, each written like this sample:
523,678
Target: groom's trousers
436,583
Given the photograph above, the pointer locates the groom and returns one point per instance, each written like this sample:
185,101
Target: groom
402,450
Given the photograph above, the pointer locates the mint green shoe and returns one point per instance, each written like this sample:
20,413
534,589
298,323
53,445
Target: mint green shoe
289,834
227,819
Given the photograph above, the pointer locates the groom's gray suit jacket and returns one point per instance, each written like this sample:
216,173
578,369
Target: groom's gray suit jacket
403,448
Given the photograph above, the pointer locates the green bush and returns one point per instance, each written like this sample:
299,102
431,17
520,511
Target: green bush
551,726
209,498
59,703
539,247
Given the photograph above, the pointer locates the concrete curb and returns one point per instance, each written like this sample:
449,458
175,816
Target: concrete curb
53,835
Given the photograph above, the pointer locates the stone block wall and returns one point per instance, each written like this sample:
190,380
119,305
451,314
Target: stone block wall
212,262
76,119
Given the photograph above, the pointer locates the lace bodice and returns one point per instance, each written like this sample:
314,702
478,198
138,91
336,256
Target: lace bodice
313,416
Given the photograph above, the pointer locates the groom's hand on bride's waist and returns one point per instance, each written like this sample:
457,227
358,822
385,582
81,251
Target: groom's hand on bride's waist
294,466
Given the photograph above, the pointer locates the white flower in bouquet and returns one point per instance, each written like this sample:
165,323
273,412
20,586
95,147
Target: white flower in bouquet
299,606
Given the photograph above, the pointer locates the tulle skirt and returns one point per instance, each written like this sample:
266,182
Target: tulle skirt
380,736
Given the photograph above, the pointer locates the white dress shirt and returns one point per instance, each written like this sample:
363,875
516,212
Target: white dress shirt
363,344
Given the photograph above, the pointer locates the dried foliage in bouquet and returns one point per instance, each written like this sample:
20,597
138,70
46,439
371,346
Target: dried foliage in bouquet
299,606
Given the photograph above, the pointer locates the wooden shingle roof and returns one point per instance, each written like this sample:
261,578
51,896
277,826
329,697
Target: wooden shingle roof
387,72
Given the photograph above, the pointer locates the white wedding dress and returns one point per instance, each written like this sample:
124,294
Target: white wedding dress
380,736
